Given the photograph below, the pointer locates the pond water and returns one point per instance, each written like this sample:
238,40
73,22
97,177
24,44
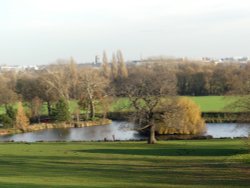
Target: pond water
220,130
116,130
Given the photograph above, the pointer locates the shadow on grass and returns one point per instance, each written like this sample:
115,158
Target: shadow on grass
103,173
31,185
168,152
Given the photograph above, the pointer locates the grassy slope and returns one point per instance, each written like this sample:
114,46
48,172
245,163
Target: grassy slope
210,163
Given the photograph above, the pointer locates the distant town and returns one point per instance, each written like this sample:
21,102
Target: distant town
97,62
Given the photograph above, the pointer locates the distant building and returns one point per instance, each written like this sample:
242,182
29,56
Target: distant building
97,59
17,68
234,60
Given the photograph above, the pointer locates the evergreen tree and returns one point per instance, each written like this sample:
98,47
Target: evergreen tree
8,119
11,112
62,112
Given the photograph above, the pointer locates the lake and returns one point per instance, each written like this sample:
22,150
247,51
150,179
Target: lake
118,131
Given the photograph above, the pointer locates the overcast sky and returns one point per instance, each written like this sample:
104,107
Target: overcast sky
41,31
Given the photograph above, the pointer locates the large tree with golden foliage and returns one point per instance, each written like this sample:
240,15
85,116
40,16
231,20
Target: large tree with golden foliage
180,116
22,122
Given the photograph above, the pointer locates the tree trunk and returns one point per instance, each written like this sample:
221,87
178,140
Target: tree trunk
92,109
151,139
49,108
5,107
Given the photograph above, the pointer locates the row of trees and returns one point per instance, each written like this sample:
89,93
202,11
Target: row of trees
66,80
144,85
194,78
63,81
199,79
116,69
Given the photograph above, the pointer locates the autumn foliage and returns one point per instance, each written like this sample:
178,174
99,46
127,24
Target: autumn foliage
183,118
22,122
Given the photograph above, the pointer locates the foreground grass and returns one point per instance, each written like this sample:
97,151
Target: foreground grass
217,163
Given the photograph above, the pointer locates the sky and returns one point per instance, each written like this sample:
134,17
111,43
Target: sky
34,32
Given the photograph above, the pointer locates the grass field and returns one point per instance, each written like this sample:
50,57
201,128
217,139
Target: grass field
214,103
211,163
206,103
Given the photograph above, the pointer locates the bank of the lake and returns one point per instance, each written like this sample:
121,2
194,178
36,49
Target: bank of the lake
123,131
44,126
191,164
209,117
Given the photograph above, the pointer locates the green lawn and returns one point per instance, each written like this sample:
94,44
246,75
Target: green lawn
212,163
214,103
206,103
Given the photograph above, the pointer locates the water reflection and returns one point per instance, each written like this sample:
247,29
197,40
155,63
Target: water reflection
220,130
117,131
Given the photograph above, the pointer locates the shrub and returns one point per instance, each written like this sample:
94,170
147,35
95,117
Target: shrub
8,119
11,112
182,116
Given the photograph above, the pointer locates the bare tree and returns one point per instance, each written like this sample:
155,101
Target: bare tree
73,78
46,93
7,95
27,86
122,69
105,65
114,67
36,105
57,78
59,81
92,86
241,88
145,88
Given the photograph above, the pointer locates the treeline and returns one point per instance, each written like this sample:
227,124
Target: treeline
196,78
199,79
92,87
56,85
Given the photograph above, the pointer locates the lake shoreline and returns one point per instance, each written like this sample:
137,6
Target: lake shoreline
209,117
44,126
119,131
123,141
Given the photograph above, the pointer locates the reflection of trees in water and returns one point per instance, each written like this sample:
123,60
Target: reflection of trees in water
63,133
243,126
246,141
90,131
125,126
